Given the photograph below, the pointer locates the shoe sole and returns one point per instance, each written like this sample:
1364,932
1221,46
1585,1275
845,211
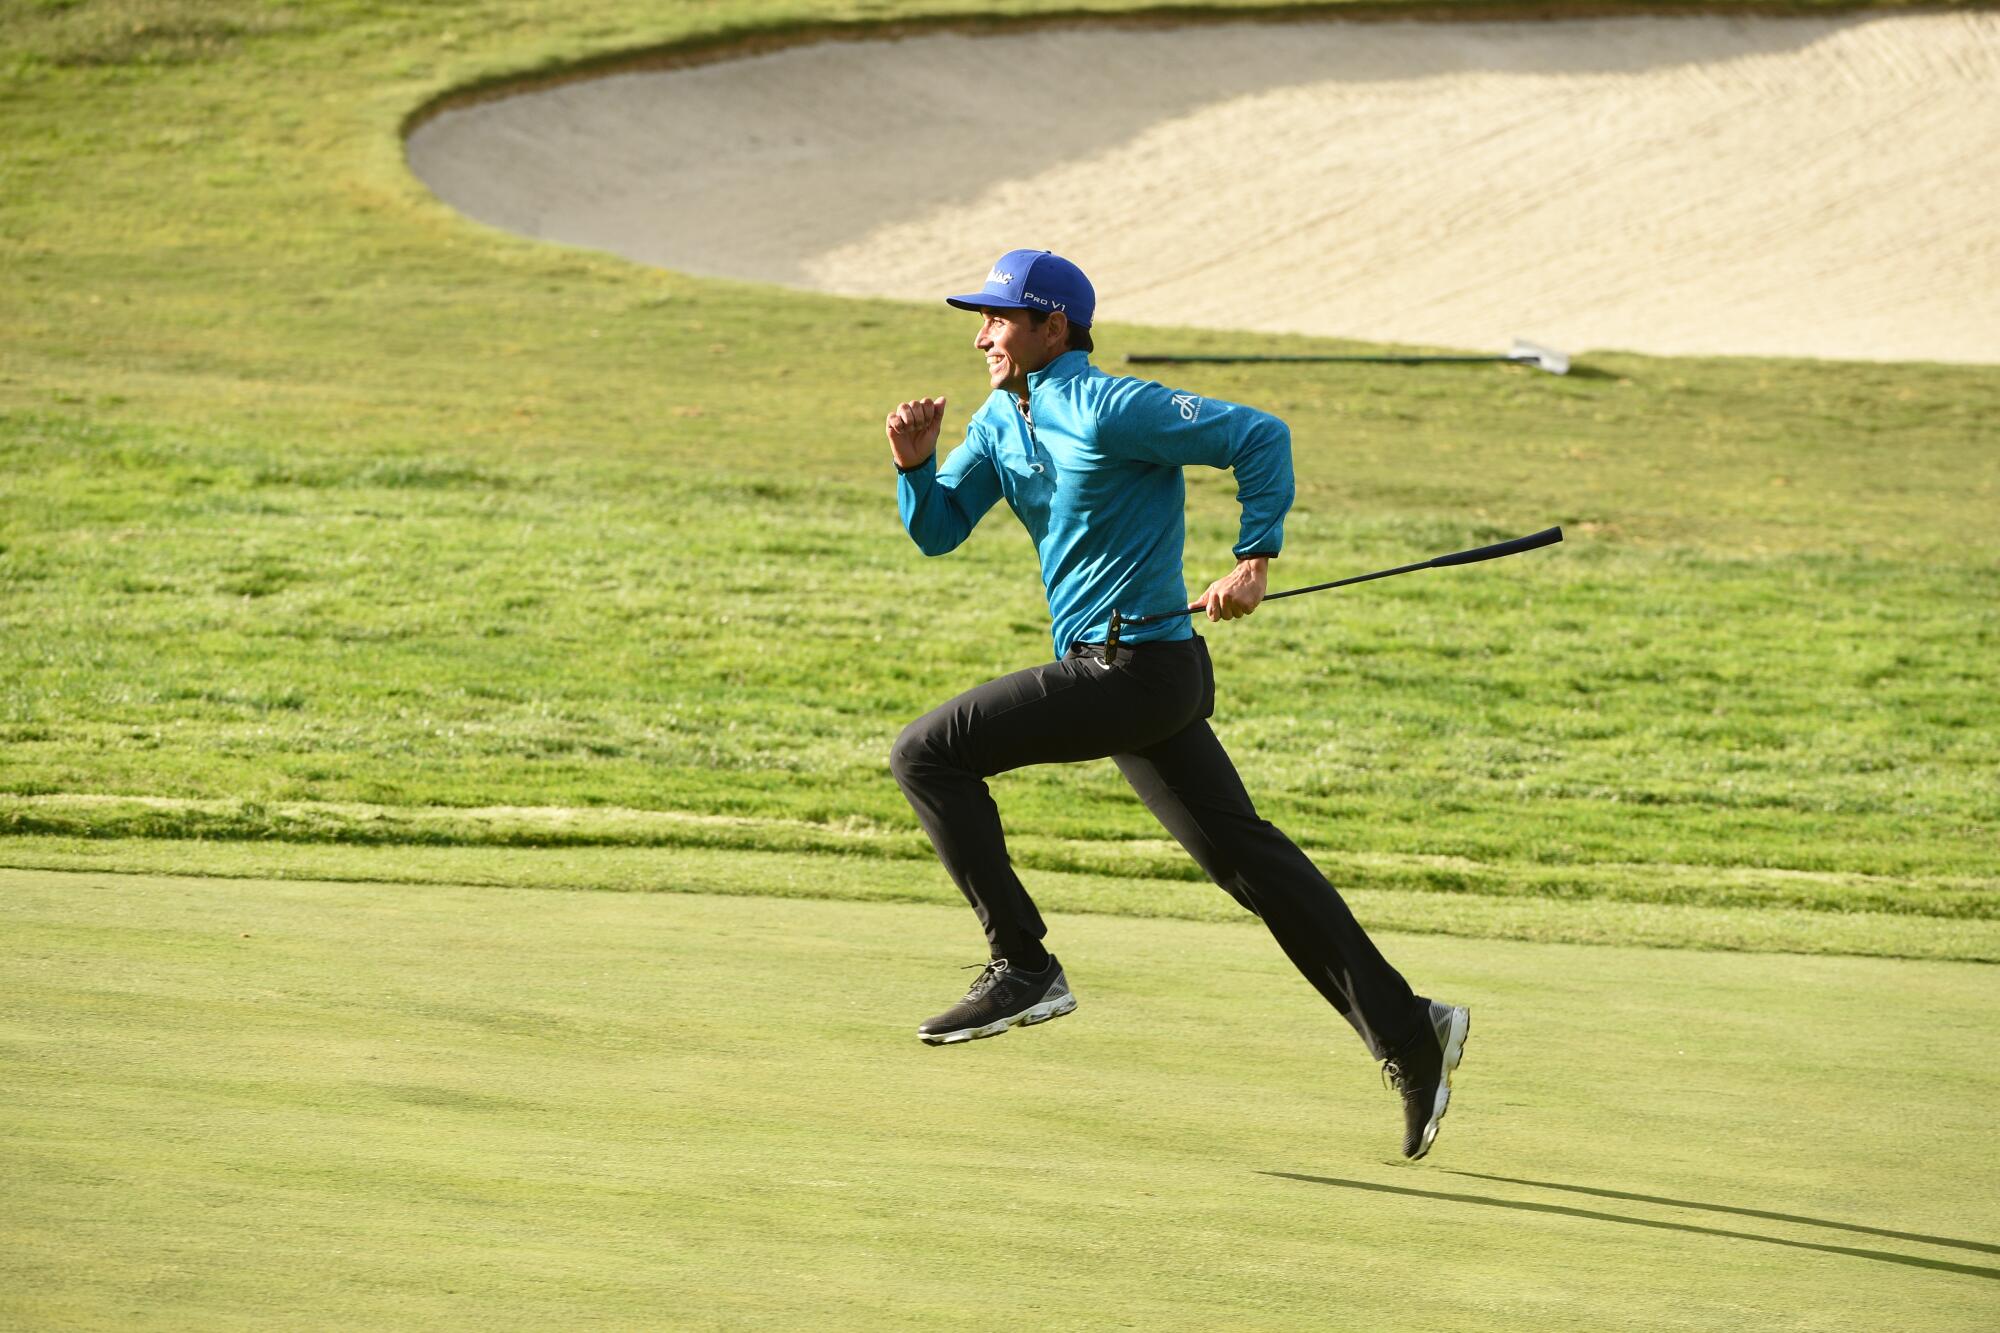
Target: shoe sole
1040,1013
1454,1051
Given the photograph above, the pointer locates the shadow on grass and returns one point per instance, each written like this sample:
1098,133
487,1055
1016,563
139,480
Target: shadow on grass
1919,1237
1563,1210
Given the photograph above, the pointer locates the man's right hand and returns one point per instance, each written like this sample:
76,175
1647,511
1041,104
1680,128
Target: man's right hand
913,431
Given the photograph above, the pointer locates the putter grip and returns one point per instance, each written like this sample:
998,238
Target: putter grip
1546,537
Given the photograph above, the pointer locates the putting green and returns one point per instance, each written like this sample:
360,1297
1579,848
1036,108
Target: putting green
239,1103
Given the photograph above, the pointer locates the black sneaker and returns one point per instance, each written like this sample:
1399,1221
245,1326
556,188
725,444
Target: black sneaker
1002,998
1421,1072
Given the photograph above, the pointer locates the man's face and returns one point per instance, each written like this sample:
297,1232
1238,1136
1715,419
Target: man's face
1014,346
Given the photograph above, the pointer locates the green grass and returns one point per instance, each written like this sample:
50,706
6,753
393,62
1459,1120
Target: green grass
247,1105
1623,905
342,539
318,496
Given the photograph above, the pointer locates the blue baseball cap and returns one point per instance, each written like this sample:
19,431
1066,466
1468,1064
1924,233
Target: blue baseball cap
1034,280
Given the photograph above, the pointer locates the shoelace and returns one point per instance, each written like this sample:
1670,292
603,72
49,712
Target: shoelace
1394,1077
987,978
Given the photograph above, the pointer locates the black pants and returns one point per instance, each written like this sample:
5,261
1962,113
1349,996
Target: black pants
1149,714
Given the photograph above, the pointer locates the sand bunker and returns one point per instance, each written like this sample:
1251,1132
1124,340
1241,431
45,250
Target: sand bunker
1817,187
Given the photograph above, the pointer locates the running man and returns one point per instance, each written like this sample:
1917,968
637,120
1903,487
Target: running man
1091,465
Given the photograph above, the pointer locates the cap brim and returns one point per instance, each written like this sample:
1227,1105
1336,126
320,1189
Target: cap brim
986,301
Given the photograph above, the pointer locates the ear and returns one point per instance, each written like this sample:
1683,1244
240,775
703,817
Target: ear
1057,329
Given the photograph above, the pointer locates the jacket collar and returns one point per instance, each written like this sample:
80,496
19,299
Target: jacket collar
1068,366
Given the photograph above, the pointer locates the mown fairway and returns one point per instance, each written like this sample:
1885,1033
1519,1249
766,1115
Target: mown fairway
241,1104
341,539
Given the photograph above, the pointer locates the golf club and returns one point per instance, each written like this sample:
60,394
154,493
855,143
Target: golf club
1546,537
1523,353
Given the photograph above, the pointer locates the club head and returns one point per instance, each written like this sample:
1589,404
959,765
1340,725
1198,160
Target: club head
1541,358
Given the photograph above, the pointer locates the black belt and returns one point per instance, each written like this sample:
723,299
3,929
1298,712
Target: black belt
1082,648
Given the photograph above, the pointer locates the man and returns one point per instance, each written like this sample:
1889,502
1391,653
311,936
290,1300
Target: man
1091,465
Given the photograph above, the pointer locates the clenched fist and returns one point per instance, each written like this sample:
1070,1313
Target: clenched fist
913,431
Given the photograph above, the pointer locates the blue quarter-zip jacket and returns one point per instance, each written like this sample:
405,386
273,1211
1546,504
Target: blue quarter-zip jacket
1097,482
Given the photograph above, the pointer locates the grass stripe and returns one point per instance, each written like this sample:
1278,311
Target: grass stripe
809,876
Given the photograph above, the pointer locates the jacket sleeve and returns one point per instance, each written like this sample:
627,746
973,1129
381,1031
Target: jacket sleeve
1161,425
940,505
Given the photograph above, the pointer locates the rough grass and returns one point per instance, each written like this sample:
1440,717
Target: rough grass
314,496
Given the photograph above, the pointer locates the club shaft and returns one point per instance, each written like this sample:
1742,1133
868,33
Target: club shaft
1533,541
1342,583
1168,359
